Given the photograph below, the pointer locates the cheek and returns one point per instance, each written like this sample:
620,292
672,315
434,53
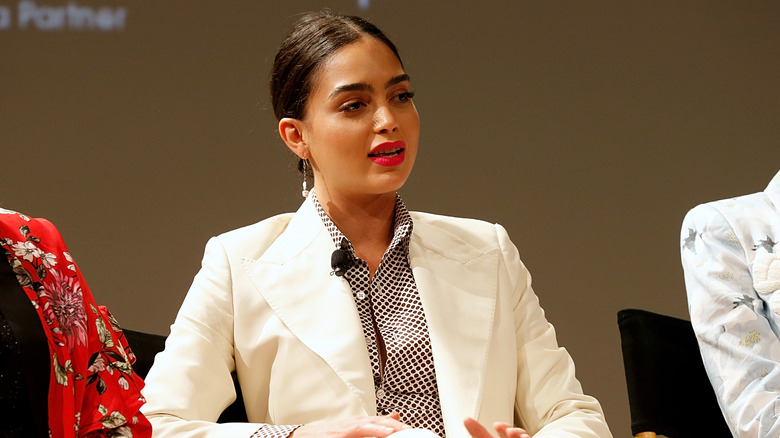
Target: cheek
331,135
339,143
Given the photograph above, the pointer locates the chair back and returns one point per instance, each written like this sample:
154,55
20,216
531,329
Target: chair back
145,346
669,392
25,363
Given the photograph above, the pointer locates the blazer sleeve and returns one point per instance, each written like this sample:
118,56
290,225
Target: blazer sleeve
190,383
549,401
738,343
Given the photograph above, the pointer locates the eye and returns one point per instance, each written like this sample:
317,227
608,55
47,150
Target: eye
405,96
351,106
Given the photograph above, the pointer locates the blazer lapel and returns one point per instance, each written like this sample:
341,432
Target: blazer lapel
446,272
293,276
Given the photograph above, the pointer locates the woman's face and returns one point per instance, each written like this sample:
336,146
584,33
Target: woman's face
361,128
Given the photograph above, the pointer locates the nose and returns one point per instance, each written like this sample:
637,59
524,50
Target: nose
385,121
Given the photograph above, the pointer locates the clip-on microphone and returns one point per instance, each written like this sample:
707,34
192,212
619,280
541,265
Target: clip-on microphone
341,260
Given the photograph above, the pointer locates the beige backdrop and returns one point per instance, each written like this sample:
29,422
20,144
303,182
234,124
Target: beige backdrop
588,129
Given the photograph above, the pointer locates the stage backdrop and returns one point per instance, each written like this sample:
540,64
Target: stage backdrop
587,129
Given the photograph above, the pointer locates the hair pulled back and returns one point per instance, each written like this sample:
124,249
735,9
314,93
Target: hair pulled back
310,41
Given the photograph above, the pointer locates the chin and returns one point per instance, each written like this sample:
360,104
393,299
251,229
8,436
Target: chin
388,186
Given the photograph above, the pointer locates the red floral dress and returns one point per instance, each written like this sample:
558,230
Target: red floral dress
92,388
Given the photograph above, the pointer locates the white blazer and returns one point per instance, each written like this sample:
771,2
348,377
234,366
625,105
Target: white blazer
265,305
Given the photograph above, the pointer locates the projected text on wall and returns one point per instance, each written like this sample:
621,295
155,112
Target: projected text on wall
29,15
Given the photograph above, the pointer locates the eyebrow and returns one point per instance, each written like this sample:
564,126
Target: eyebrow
397,80
362,86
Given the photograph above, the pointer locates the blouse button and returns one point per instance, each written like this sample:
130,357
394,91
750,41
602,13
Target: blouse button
361,295
380,393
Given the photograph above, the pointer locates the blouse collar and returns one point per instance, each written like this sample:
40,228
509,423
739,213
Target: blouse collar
402,227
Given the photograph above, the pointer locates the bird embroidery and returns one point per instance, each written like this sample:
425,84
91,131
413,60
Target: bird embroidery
744,300
690,241
768,244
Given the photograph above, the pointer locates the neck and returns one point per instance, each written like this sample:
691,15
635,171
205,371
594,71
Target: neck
364,219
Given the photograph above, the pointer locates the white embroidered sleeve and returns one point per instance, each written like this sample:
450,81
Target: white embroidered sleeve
736,333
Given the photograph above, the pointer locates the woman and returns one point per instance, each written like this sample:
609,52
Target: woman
731,258
419,320
66,366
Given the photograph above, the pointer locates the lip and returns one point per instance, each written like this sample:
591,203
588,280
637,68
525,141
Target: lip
389,161
388,145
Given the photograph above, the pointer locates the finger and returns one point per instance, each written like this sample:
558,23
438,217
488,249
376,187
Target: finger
375,430
368,427
391,420
475,429
516,432
506,430
501,429
394,416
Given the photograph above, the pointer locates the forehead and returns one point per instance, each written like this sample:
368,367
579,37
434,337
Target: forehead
367,60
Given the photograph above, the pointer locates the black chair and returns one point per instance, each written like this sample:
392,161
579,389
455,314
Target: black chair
25,363
146,345
668,389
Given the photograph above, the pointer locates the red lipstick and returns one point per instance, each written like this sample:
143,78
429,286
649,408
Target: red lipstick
389,154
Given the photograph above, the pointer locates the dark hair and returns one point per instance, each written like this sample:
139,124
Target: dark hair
311,40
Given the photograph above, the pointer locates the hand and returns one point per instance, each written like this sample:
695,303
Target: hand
353,427
504,430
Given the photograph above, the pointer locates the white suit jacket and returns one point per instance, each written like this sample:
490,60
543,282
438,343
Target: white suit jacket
265,305
731,260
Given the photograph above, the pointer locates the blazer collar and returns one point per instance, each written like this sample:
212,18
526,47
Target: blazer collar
302,232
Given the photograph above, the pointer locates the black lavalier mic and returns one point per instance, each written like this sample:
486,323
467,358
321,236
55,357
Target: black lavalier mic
341,260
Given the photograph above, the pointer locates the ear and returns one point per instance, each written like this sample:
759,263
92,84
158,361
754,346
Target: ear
291,131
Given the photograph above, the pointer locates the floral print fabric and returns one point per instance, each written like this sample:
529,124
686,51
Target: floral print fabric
731,258
92,388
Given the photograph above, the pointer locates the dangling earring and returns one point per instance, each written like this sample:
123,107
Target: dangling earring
305,171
